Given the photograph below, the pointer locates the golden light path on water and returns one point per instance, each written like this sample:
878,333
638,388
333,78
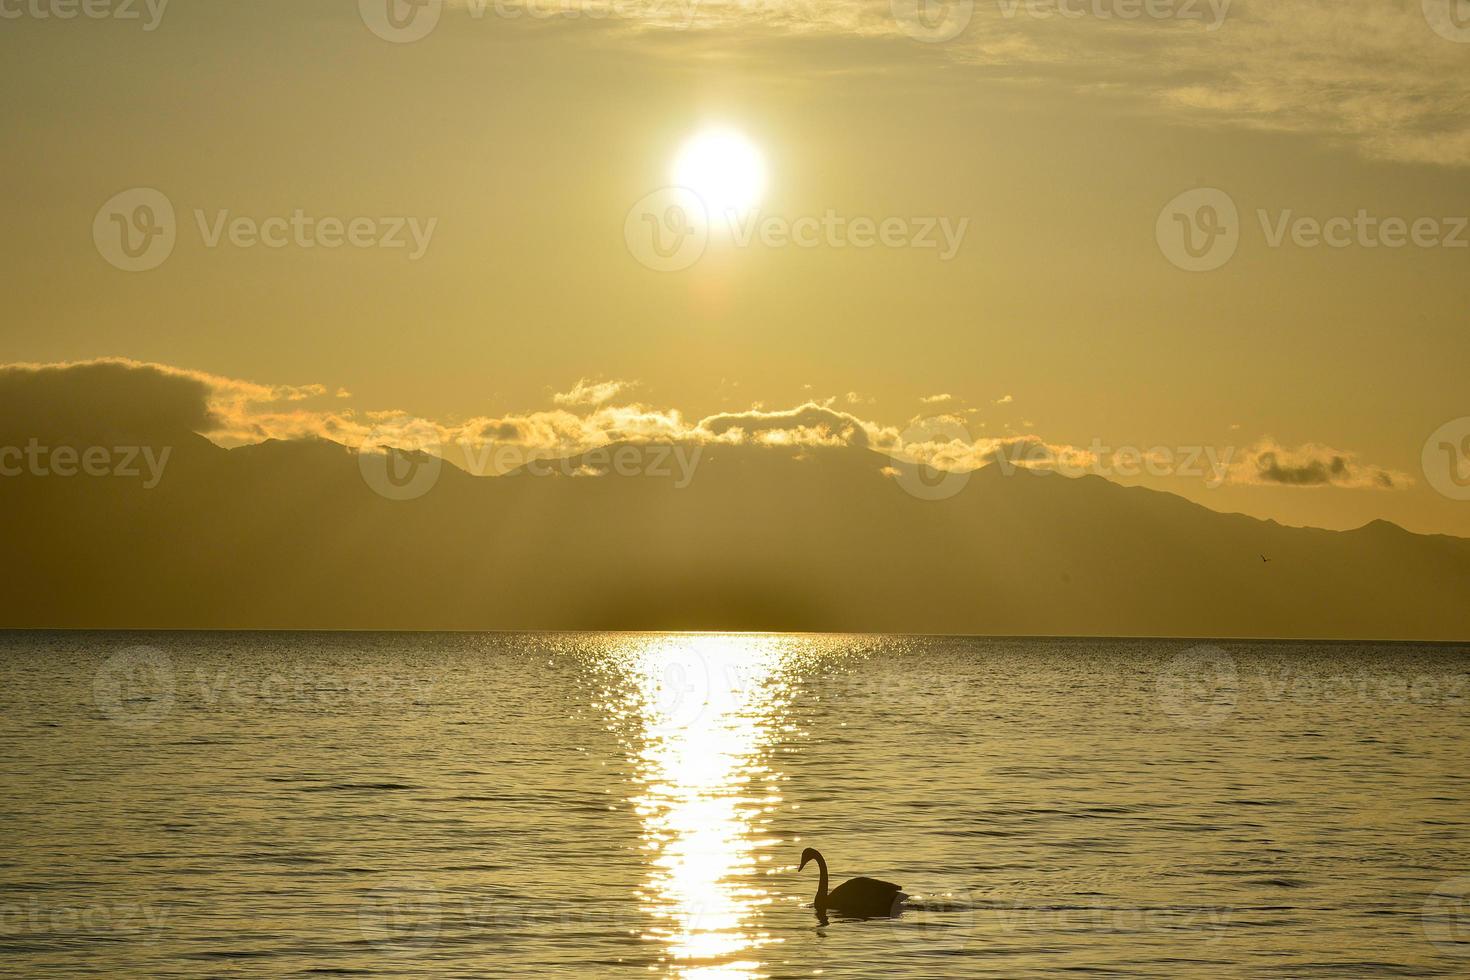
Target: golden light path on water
709,708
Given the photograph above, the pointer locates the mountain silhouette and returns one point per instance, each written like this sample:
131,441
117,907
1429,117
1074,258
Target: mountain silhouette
295,535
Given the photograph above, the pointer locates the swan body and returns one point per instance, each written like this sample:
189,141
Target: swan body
860,897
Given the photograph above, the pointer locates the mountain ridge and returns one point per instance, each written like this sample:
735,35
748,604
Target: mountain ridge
292,534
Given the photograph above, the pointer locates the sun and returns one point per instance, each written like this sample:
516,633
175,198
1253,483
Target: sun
723,168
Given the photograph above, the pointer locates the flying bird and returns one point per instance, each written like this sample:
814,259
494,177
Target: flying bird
860,897
1265,559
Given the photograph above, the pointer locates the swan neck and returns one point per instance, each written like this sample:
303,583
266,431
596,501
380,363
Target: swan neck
822,879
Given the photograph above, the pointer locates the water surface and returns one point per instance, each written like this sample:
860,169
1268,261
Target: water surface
566,805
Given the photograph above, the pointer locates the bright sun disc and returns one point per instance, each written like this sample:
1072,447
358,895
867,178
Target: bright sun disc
724,169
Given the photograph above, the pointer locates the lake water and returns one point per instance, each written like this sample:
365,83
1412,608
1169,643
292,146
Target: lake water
571,805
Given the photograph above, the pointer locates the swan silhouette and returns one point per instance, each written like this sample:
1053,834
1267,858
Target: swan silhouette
860,897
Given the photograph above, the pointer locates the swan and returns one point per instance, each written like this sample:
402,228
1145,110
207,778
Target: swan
860,897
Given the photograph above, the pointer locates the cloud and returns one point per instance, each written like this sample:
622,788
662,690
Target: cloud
87,400
1270,464
152,397
586,392
304,392
809,425
1370,74
1004,400
945,445
168,402
936,399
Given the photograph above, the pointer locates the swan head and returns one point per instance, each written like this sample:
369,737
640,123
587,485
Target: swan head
810,854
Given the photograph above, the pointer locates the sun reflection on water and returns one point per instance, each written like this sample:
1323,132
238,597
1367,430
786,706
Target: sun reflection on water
708,709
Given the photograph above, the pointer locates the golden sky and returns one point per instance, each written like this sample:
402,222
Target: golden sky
518,144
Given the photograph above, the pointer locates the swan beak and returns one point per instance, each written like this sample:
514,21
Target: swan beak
803,864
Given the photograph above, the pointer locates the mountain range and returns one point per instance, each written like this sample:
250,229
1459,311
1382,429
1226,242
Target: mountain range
301,534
